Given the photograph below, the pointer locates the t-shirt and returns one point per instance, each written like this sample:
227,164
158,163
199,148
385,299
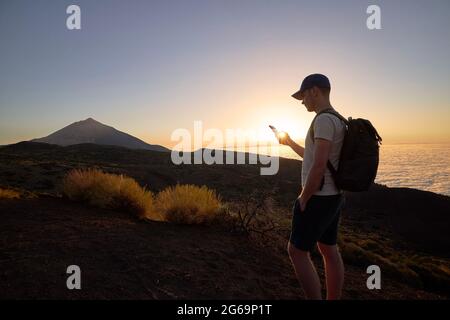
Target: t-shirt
329,127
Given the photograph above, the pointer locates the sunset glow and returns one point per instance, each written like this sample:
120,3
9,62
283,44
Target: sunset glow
235,67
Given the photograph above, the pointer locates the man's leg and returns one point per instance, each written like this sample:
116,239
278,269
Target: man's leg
334,270
306,272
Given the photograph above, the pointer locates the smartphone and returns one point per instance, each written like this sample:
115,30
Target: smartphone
278,134
274,129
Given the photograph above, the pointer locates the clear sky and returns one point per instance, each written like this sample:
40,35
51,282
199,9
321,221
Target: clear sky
150,67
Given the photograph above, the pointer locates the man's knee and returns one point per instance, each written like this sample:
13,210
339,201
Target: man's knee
295,252
328,251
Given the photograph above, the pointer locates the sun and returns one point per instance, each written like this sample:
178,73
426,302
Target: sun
283,125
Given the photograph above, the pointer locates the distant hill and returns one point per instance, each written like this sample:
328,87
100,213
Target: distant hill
92,131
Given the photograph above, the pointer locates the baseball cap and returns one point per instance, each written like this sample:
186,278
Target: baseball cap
313,80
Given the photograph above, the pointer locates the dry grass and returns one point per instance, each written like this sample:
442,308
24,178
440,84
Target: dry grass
189,204
9,194
418,270
111,191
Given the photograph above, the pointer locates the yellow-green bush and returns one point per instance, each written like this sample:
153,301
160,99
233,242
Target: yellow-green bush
111,191
9,194
189,204
392,266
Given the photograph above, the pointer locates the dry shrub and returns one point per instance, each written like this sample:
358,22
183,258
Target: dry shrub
189,204
9,194
110,191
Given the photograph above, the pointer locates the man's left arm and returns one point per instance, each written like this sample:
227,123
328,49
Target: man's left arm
322,149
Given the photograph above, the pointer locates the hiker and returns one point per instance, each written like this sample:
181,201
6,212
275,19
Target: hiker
317,209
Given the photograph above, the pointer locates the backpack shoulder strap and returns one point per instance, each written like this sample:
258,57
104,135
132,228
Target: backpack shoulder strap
329,111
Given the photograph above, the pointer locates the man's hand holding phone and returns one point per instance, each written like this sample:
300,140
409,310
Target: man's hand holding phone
283,137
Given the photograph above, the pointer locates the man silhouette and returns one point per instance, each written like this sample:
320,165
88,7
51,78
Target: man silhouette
316,211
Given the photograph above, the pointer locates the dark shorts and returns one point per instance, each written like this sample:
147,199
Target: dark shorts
317,223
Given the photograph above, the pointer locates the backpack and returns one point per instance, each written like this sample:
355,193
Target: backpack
359,157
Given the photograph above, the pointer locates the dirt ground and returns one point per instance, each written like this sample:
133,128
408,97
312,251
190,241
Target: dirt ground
124,258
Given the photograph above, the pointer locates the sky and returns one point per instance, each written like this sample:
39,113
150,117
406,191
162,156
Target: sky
150,67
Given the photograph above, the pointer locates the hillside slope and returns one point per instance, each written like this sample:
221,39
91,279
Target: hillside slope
124,258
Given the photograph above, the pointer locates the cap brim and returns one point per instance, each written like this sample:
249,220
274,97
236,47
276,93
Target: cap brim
298,95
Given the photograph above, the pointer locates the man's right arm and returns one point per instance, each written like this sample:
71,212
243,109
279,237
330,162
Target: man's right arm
296,147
